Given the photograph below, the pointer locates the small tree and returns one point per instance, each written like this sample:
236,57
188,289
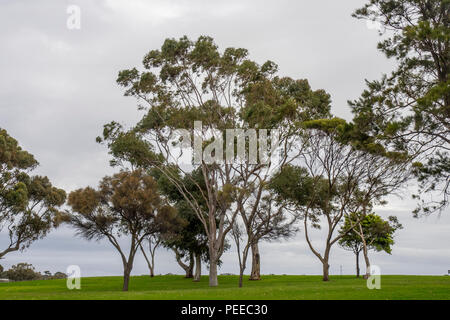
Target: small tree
59,275
154,242
170,229
268,222
371,232
126,204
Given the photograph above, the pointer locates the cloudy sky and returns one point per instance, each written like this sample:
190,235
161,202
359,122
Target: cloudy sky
57,89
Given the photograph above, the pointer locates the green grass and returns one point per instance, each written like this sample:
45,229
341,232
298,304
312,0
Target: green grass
270,288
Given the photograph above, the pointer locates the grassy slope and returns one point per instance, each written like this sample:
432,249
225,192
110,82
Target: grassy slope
270,288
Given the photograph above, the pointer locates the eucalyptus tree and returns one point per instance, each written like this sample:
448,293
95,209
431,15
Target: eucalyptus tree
170,229
154,241
369,233
335,176
29,205
409,109
126,204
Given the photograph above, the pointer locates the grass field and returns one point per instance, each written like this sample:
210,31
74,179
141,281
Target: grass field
270,288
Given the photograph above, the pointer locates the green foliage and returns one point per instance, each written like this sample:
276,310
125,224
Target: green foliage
22,272
282,101
378,233
29,205
127,147
293,184
349,134
11,154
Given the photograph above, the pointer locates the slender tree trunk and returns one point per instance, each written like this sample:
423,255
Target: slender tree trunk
150,263
357,265
326,266
326,271
152,267
152,271
241,277
365,252
256,263
366,258
126,277
198,268
213,282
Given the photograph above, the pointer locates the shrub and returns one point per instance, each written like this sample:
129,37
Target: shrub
26,272
22,272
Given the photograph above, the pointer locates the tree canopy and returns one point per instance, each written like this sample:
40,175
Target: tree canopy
378,233
29,205
125,204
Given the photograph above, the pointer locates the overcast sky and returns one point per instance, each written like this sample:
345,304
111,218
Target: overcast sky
57,90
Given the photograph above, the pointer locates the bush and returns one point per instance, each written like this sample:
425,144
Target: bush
26,272
60,275
22,272
49,276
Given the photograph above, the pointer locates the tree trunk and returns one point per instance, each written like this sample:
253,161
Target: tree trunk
366,258
241,277
198,268
150,263
126,278
357,264
326,266
213,282
152,267
152,271
365,252
326,270
187,268
256,263
190,271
